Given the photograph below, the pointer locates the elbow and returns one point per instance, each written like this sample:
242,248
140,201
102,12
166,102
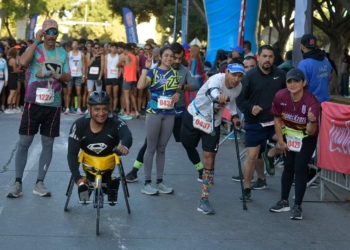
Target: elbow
22,62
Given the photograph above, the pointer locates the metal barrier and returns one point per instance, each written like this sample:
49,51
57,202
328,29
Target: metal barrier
338,179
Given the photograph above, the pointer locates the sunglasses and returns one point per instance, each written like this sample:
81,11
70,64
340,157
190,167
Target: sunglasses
51,32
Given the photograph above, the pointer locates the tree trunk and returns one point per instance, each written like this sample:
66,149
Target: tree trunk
8,28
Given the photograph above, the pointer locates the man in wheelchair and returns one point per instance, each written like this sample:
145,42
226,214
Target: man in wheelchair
92,140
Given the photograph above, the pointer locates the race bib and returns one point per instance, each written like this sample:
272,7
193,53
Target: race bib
200,123
165,102
294,143
1,74
74,70
114,71
44,95
266,124
94,70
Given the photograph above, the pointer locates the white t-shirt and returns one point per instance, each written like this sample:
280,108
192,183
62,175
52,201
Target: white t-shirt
203,104
75,64
112,70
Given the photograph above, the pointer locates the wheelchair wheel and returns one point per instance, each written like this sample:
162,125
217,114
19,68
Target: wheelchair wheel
98,200
124,186
69,192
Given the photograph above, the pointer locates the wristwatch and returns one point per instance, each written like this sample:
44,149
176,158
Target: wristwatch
146,68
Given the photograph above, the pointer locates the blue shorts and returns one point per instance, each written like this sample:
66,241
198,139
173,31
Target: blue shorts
258,135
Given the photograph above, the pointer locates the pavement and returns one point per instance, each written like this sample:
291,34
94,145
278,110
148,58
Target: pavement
157,222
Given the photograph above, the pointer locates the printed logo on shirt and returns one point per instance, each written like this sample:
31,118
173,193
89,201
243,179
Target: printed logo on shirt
97,147
303,109
283,104
276,77
73,135
294,118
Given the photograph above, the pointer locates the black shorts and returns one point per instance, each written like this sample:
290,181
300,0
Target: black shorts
190,136
112,81
35,116
177,129
12,81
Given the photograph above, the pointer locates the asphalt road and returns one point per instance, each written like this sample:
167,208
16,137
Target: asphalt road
159,222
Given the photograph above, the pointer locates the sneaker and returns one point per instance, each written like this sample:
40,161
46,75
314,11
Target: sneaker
112,192
79,112
9,111
247,194
1,110
149,189
66,112
136,115
281,206
121,111
205,207
269,163
200,177
126,117
83,193
115,113
143,112
18,110
41,190
260,184
164,189
237,178
231,137
15,191
131,177
296,213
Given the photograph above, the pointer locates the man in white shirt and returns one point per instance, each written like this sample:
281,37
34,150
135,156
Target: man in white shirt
77,72
112,77
198,125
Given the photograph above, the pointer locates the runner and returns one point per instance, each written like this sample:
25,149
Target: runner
197,122
259,88
3,71
298,110
130,64
13,71
163,83
112,77
77,70
47,66
95,62
192,85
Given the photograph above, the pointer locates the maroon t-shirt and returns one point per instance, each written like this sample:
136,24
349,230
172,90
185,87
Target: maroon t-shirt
294,114
142,61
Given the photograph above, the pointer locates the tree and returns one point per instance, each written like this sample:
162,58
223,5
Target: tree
332,17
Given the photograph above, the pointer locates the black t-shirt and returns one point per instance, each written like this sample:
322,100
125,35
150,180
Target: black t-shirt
114,132
260,89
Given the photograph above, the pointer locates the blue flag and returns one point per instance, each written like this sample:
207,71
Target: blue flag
130,26
32,25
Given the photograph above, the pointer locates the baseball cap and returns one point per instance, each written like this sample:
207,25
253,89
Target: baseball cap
17,46
156,50
236,68
49,24
151,41
309,41
295,74
238,49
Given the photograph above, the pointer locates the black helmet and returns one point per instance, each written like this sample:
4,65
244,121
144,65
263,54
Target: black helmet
99,98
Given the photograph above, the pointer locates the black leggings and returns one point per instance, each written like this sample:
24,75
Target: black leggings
296,163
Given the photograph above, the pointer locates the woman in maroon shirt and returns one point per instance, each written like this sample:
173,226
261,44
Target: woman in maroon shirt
296,113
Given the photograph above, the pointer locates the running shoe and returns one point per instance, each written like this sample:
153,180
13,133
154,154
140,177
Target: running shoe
296,213
247,195
281,206
269,163
149,189
200,177
66,112
205,207
18,110
237,178
15,191
131,177
79,112
9,111
126,117
164,189
41,190
136,115
260,184
121,112
112,192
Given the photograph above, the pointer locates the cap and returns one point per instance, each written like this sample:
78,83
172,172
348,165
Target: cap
186,46
49,24
156,50
1,50
236,68
238,49
295,74
309,41
150,41
17,46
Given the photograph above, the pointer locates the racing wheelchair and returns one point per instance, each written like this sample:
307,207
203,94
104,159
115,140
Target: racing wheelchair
97,166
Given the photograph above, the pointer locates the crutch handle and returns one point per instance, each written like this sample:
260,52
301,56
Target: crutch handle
238,123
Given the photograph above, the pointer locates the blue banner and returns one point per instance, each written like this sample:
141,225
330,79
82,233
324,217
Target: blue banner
184,26
130,26
32,25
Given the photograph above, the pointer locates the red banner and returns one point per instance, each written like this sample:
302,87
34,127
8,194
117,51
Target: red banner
334,143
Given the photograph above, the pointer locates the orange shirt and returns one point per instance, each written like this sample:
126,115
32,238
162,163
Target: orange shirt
130,71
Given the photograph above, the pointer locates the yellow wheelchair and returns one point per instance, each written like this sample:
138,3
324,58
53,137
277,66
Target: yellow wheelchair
97,166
